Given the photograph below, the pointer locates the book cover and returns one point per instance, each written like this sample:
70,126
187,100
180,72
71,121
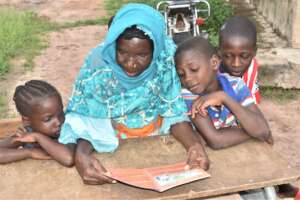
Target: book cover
158,178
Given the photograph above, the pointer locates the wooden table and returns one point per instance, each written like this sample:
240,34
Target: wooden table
247,166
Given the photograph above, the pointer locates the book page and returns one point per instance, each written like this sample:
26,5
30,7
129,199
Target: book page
158,178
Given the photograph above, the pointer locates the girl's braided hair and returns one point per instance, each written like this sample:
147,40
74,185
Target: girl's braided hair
30,94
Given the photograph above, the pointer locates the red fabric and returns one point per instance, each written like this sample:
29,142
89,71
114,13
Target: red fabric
250,79
297,197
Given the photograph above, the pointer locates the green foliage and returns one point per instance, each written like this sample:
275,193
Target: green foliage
20,36
279,95
220,11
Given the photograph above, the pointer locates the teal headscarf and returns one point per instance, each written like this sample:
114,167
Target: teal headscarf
103,90
148,20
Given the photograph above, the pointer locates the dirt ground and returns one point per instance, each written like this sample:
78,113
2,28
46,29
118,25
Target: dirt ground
60,62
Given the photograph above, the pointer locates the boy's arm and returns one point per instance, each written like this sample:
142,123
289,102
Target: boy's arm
250,118
184,133
61,153
219,138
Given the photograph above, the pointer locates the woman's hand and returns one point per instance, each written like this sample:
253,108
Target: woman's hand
91,170
38,154
200,104
197,157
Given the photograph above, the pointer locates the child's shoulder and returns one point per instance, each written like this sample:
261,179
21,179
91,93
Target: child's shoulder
233,80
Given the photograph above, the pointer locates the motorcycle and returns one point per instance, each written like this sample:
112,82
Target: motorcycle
184,17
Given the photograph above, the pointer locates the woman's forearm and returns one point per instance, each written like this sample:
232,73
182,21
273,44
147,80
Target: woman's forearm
183,132
84,147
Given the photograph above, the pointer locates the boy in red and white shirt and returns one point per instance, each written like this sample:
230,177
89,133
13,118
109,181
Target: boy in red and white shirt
237,49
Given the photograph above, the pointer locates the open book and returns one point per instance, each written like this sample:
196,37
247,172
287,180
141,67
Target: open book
158,178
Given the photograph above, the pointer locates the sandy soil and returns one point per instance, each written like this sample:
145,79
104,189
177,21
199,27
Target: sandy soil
61,10
60,62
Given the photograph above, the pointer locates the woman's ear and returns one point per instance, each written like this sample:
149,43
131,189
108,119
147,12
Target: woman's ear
215,61
25,121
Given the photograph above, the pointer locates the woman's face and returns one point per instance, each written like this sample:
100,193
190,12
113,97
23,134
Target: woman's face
134,55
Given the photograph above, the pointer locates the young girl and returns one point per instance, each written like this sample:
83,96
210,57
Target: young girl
40,106
128,87
223,110
237,48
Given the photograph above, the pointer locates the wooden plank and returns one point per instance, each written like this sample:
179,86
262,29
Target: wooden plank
248,166
225,197
8,126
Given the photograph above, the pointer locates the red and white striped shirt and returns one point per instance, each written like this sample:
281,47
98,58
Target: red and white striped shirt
250,78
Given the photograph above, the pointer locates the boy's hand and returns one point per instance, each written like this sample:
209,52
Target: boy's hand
197,157
91,171
200,104
39,154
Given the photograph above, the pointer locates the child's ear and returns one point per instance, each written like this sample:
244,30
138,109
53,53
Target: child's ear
215,62
25,121
255,50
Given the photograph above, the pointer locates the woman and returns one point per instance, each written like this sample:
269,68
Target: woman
128,87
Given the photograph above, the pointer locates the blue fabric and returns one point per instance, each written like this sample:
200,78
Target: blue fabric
232,86
240,94
227,88
102,90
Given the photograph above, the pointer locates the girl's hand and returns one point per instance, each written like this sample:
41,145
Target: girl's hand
200,104
197,157
39,154
27,138
270,140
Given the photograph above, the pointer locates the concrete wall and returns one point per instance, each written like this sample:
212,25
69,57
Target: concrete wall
284,15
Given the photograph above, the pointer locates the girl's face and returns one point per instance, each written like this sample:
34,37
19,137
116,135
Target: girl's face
48,116
197,73
236,54
134,55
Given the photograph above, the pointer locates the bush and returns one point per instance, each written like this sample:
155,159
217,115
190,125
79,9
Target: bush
220,11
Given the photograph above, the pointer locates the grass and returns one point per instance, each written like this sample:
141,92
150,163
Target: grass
279,95
88,22
111,6
20,35
3,105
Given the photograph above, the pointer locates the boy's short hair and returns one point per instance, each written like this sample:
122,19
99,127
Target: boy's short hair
199,44
25,96
238,26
